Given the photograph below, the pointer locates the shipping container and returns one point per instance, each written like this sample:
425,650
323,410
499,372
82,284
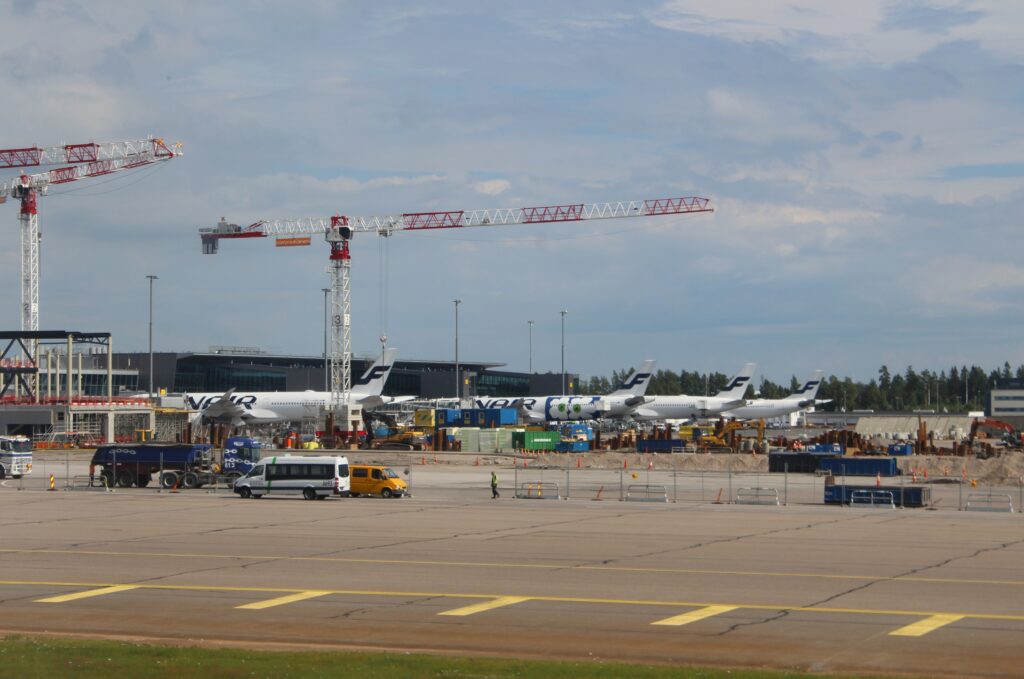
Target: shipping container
573,446
794,463
825,449
859,466
902,496
424,417
536,440
901,448
662,446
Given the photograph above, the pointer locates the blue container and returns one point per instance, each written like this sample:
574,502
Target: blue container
572,446
902,496
859,466
825,449
901,448
448,417
655,446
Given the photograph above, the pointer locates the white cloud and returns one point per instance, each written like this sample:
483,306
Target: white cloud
492,187
843,31
979,285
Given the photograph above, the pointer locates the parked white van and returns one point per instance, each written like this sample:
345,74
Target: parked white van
314,477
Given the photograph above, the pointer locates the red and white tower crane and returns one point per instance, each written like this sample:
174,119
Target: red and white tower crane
81,161
338,231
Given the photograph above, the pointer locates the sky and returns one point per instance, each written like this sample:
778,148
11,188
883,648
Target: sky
864,161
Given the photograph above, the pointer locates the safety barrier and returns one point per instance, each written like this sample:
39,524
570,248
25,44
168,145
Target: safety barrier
538,490
83,482
989,502
757,496
646,493
879,499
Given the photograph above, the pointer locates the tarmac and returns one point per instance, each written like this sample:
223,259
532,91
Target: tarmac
448,570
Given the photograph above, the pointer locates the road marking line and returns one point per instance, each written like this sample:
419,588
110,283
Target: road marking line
270,603
86,594
487,605
929,624
484,564
511,599
694,616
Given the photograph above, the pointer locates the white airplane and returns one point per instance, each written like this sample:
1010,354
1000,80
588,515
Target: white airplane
683,407
766,408
617,404
263,407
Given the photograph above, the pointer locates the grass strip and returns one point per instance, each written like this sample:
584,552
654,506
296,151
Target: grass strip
35,658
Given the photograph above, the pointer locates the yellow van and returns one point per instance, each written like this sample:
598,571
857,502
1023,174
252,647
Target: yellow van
376,479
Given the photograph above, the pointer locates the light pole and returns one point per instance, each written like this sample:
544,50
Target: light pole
151,278
458,381
563,312
531,346
327,378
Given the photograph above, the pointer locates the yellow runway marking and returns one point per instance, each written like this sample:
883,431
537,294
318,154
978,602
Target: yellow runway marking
929,624
487,605
281,600
694,616
504,599
86,594
526,566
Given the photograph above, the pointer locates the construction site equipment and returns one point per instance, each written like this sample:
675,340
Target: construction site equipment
338,230
1004,431
82,161
727,437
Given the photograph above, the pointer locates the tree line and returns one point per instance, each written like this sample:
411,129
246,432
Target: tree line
957,390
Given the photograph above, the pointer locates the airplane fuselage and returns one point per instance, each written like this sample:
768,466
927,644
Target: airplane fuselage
766,409
561,408
684,407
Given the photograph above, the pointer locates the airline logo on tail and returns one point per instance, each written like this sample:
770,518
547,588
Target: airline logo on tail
805,395
737,386
637,382
373,379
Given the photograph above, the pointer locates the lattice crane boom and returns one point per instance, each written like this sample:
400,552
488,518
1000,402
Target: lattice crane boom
339,230
82,161
450,219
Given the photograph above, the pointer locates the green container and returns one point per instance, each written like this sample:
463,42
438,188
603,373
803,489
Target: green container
541,440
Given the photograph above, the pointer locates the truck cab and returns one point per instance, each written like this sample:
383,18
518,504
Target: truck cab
15,456
241,453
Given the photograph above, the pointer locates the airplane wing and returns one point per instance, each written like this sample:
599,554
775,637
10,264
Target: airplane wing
226,412
371,401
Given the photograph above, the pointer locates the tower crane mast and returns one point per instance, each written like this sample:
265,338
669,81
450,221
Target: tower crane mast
338,231
83,161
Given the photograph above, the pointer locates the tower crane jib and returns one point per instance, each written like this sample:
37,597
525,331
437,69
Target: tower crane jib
338,231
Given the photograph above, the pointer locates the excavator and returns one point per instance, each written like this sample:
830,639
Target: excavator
397,438
727,438
1004,431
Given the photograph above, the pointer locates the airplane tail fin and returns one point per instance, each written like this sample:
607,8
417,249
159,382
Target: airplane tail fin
638,381
809,390
737,386
372,381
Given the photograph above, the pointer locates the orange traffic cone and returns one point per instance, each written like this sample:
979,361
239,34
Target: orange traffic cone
579,462
625,463
878,480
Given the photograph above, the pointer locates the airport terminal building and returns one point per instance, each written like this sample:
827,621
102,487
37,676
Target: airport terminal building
250,369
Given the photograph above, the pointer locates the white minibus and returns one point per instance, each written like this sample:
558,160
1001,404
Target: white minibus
314,477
